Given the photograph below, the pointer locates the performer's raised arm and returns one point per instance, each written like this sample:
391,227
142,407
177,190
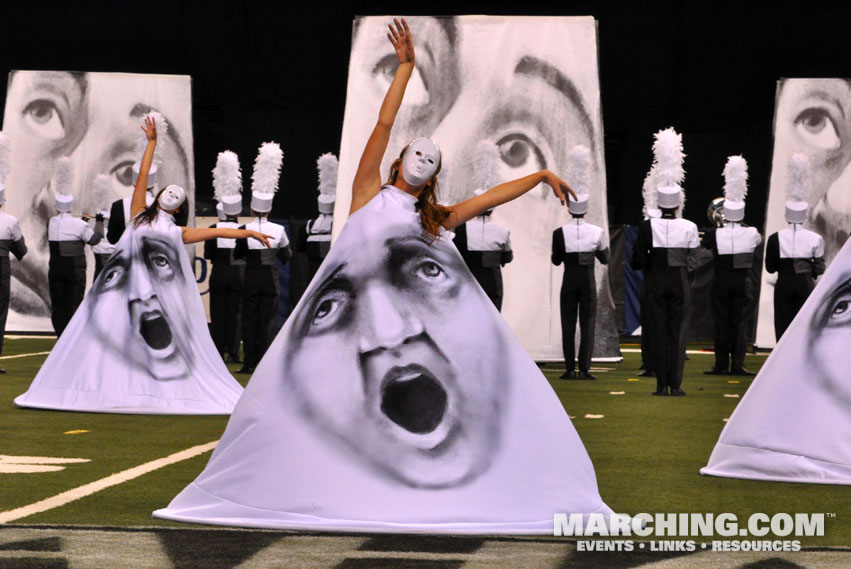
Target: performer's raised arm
137,202
367,180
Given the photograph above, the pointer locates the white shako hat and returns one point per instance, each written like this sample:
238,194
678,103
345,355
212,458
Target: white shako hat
152,174
668,161
227,183
327,166
102,195
796,188
668,197
61,182
735,188
171,197
220,212
579,179
4,165
264,179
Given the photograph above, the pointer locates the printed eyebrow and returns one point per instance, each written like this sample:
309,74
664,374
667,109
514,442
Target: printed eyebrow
532,66
333,280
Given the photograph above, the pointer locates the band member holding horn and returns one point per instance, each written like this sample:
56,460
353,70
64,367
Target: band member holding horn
733,247
67,237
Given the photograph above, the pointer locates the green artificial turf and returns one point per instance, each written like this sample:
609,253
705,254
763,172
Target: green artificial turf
646,450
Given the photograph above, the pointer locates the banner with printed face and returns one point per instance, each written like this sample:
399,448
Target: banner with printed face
93,118
812,116
535,97
805,378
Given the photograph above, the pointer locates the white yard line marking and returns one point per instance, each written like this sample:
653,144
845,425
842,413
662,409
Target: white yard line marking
23,355
98,485
708,353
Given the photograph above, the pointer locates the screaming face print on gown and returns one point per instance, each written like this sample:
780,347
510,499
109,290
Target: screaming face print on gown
140,279
396,369
406,388
94,119
139,342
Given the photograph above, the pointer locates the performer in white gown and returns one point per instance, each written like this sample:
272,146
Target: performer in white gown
395,398
139,343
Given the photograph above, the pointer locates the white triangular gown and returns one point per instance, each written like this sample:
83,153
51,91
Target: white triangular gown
139,342
395,399
794,423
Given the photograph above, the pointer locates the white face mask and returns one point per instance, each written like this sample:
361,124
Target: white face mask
419,162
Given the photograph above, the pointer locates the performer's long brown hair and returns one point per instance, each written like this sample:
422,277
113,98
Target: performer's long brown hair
432,214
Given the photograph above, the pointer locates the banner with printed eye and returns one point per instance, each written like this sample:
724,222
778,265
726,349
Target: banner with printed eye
812,116
93,118
535,97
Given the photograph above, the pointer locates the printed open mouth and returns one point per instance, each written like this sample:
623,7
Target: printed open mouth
413,399
155,330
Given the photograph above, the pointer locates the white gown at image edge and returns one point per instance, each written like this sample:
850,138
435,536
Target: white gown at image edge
791,425
272,469
85,372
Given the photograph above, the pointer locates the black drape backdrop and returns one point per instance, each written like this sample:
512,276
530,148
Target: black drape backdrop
265,70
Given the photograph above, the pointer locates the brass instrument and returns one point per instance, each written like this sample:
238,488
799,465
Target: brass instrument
715,212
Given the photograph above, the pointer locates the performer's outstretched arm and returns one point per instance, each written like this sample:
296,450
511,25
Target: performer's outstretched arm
198,234
367,180
137,202
505,192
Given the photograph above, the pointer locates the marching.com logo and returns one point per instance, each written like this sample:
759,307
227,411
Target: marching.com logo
689,525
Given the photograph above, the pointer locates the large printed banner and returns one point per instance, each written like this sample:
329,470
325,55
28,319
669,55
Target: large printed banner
528,84
94,118
812,116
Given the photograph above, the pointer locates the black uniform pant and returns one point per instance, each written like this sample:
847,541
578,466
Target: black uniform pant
259,311
66,279
578,294
226,282
100,262
668,294
490,279
647,327
732,294
5,283
790,293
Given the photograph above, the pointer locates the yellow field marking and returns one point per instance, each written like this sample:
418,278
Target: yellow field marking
733,381
617,392
732,395
76,432
633,379
98,485
24,355
590,416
